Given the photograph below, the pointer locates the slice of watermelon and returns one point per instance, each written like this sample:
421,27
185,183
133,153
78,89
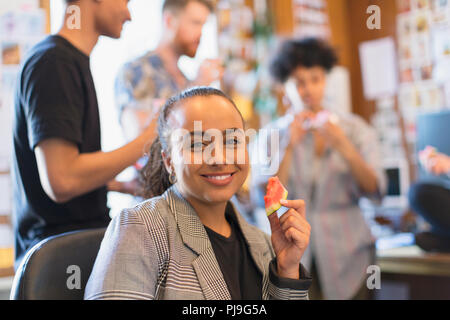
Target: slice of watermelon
275,192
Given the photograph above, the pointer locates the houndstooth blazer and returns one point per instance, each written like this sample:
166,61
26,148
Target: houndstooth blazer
160,250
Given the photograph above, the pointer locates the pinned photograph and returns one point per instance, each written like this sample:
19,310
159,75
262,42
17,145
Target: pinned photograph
404,5
11,53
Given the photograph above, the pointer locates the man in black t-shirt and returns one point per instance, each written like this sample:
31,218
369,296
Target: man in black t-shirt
59,170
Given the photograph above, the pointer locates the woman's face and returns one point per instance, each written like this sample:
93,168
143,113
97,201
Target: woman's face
212,164
311,83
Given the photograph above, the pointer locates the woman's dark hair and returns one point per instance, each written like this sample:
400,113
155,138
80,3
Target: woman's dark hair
154,178
309,52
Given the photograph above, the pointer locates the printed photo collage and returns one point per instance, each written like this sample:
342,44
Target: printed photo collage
423,33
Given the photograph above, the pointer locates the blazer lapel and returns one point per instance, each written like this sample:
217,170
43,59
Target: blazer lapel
210,276
194,236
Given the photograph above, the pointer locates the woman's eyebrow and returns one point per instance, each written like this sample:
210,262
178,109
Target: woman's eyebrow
226,131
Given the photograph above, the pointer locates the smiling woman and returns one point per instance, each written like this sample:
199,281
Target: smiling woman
188,241
156,175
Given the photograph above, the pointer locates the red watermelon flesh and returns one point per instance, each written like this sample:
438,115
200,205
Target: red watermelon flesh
275,192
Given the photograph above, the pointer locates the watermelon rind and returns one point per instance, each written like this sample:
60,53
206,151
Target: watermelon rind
274,208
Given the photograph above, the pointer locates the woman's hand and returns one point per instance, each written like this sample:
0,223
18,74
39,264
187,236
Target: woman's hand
297,128
290,238
335,137
434,162
439,164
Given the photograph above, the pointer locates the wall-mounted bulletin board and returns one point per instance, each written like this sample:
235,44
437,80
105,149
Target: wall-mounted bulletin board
23,23
249,31
311,19
423,32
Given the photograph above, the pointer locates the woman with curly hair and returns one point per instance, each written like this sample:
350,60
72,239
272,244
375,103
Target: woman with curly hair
331,160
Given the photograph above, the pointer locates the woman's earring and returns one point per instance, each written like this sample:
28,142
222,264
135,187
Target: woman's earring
173,178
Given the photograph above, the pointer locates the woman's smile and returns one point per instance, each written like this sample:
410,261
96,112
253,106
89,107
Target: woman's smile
219,179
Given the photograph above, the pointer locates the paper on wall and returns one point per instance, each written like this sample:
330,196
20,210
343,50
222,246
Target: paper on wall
6,236
6,5
5,195
379,68
7,85
447,94
22,25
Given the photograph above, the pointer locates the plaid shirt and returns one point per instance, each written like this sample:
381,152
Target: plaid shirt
160,250
142,81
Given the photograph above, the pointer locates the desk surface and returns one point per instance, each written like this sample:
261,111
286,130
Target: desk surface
413,260
6,262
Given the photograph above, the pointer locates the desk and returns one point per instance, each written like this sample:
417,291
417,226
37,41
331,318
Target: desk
6,262
411,273
6,272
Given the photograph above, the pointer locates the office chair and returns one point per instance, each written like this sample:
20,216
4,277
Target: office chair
58,268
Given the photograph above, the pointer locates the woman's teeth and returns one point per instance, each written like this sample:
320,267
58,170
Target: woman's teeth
219,177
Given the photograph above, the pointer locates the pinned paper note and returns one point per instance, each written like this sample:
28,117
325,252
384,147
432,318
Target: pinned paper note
379,68
5,195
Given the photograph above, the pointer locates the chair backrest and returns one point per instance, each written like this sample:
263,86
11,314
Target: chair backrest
58,268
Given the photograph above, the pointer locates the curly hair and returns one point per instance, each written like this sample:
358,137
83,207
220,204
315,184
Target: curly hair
309,52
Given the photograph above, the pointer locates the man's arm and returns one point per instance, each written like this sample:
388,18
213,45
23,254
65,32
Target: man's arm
362,172
66,174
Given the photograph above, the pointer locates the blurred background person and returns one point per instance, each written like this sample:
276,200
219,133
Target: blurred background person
143,85
331,160
432,202
58,164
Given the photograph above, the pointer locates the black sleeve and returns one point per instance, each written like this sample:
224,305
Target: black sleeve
53,100
304,283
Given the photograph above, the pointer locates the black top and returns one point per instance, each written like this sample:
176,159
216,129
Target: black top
239,270
55,98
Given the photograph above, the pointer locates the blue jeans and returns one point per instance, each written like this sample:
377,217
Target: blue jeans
432,202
